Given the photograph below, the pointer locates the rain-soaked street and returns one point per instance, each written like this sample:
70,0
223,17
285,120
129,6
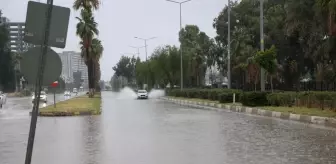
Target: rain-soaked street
153,131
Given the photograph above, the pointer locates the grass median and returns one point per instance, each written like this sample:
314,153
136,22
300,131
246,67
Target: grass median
82,105
283,109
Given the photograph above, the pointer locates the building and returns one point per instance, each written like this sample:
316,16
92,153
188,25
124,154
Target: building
16,33
67,71
73,62
79,65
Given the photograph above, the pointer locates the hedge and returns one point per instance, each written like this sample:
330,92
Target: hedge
308,99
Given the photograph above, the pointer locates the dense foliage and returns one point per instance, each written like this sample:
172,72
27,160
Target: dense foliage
7,61
299,37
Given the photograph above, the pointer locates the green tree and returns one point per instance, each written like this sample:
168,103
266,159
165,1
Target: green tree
6,61
126,68
267,60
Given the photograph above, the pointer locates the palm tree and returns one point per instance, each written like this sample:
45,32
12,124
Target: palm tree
86,30
96,49
87,4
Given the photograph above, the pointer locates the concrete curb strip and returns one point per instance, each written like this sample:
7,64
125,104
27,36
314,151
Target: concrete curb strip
324,121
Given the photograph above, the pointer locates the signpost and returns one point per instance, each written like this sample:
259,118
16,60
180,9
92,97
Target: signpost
54,85
46,25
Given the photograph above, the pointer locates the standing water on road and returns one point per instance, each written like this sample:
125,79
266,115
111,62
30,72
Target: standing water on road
127,93
156,93
159,132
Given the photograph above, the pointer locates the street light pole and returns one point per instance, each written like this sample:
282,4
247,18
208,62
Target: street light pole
229,46
262,71
145,40
181,52
138,49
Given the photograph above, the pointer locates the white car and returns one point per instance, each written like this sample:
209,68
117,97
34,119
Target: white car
142,94
67,93
3,99
43,97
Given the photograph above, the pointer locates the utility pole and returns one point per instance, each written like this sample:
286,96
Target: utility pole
229,46
262,71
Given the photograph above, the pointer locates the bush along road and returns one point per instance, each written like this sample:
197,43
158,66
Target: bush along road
308,107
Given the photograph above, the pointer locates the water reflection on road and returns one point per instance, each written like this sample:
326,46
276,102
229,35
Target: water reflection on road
156,132
19,107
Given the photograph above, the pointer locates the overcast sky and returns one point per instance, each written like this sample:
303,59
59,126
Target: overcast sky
119,21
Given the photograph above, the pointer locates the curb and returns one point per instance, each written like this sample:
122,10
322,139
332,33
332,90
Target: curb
323,121
67,114
64,114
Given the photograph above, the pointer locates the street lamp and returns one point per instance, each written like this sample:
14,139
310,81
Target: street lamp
145,40
262,71
180,3
138,49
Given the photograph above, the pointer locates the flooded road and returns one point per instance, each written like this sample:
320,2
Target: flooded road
156,132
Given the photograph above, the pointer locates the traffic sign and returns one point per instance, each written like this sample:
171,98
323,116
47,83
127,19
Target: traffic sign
30,64
36,21
54,84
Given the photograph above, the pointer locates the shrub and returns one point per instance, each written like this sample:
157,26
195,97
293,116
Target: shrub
282,98
227,97
254,99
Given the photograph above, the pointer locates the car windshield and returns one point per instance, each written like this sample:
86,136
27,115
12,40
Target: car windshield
142,91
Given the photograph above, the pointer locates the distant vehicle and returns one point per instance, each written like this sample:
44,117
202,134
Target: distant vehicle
142,94
74,90
67,93
43,97
3,99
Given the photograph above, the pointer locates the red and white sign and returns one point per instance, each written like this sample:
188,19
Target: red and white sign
54,84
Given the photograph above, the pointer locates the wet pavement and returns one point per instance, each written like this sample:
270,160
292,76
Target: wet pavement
152,131
17,107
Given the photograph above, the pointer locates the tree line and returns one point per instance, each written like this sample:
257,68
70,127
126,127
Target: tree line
8,61
299,40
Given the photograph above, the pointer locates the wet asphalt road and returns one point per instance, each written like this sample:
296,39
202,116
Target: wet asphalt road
152,131
17,107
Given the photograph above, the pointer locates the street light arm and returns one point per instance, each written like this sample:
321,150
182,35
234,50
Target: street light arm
173,1
185,1
139,38
151,38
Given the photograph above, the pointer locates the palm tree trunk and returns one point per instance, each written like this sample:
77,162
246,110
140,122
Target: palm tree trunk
90,73
93,78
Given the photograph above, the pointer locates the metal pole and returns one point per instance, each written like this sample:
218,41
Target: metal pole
55,97
147,63
181,48
262,71
146,48
38,84
229,46
138,52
